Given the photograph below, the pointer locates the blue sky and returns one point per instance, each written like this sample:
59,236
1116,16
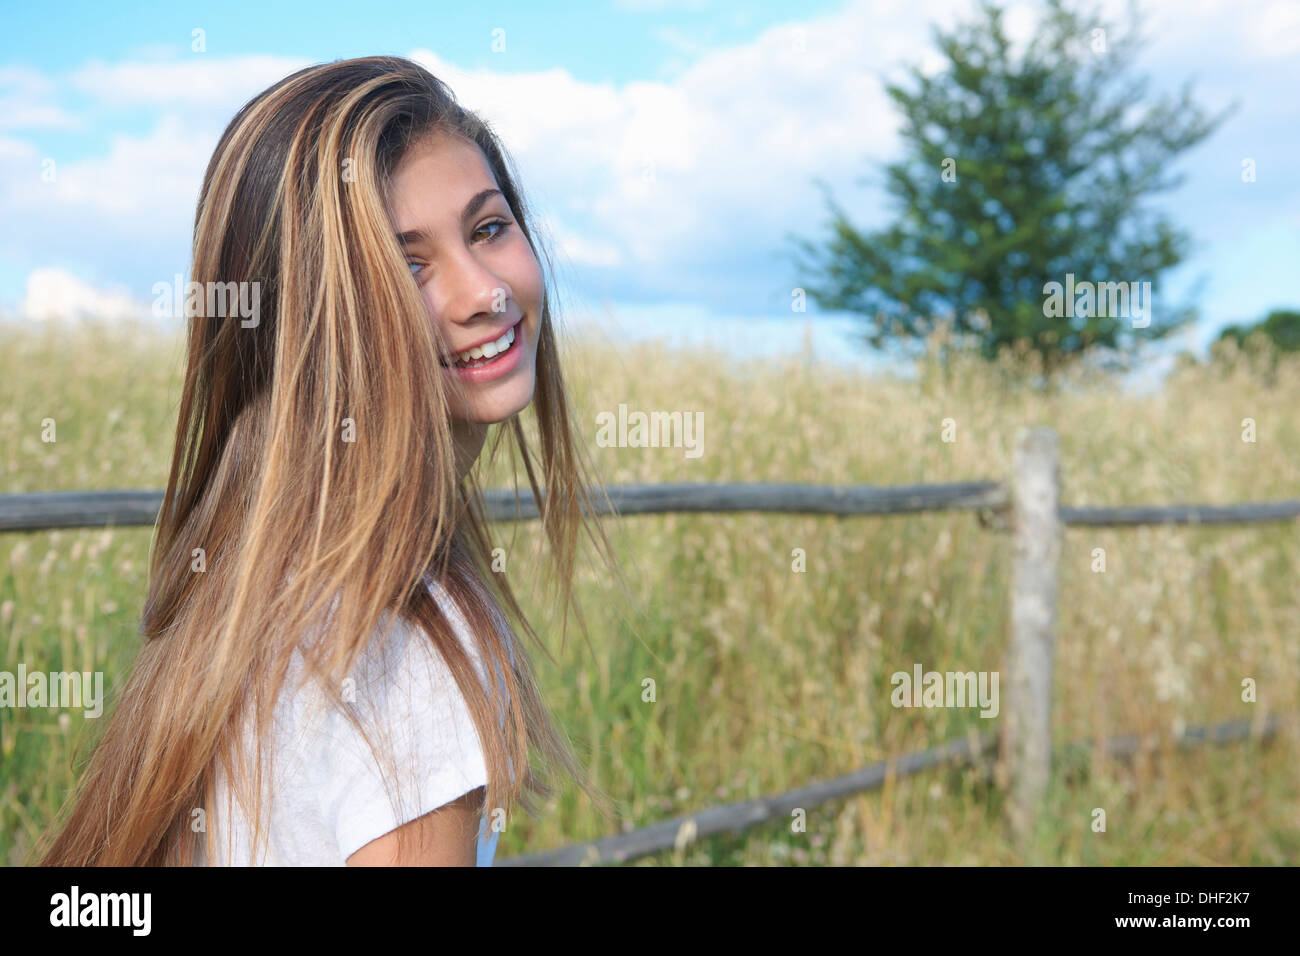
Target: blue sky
734,108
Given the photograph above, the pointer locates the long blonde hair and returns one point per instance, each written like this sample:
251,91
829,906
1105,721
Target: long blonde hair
303,533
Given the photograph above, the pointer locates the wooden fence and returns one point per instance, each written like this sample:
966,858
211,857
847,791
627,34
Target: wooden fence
1029,508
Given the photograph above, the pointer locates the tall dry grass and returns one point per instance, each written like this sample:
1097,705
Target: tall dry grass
766,678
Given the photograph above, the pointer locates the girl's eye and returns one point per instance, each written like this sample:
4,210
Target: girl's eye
500,223
501,226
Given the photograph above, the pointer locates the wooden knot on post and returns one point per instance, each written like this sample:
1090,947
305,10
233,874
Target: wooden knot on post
1025,751
995,519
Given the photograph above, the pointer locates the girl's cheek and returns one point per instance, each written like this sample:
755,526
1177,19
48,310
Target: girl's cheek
431,302
530,276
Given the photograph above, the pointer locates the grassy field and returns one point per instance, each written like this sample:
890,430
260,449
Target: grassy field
766,678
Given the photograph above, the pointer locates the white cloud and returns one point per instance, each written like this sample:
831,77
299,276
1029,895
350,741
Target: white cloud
1275,32
685,186
737,138
197,80
1235,31
16,150
589,252
57,294
674,175
145,180
26,101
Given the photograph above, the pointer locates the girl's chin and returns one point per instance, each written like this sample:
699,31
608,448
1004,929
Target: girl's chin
494,412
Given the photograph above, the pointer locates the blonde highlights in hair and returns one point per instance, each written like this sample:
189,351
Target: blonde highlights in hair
312,543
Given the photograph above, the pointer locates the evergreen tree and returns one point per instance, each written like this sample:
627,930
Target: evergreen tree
1281,327
1021,168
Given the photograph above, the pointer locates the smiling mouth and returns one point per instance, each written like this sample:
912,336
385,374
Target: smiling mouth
486,353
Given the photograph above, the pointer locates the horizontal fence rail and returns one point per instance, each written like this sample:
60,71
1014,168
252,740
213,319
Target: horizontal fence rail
733,817
95,509
85,509
1028,506
736,817
805,499
1248,513
78,509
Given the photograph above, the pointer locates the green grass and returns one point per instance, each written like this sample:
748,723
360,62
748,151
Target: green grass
767,679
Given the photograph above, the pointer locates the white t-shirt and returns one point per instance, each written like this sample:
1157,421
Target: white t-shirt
329,796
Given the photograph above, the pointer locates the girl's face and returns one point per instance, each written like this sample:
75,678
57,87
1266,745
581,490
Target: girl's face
477,273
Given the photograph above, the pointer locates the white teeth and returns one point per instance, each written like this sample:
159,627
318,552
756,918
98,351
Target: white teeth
488,349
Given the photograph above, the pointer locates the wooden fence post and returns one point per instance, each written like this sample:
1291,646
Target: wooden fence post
1026,745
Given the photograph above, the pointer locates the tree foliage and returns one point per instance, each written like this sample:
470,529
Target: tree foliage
1281,327
1022,164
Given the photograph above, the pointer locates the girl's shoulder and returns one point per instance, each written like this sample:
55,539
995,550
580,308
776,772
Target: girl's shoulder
402,743
400,663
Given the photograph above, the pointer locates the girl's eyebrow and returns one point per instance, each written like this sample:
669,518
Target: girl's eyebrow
412,236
